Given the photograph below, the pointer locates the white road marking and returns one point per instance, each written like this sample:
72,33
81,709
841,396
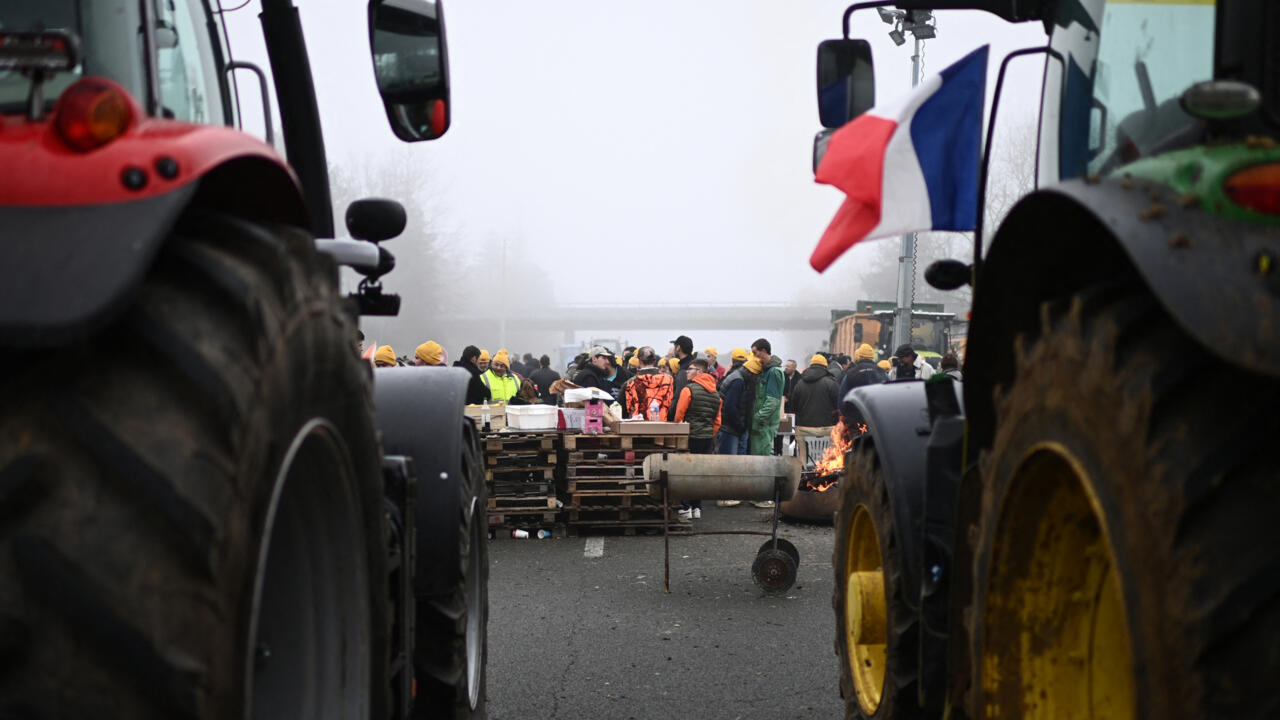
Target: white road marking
594,547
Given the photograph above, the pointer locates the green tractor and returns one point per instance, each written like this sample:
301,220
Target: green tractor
1086,527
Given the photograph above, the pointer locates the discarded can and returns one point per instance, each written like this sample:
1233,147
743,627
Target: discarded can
519,533
544,534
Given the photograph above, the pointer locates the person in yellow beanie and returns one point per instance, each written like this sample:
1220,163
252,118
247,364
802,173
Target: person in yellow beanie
634,362
738,390
863,371
502,383
429,353
885,365
713,365
816,402
385,357
482,362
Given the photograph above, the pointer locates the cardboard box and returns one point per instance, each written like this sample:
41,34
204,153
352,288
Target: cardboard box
497,415
787,424
648,427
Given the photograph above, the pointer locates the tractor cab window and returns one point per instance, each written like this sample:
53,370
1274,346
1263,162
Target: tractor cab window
1149,53
188,66
36,16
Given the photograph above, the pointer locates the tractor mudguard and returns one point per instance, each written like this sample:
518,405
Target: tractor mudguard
77,238
897,418
420,414
1218,278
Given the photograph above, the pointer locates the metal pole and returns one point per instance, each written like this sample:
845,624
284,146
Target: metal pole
906,266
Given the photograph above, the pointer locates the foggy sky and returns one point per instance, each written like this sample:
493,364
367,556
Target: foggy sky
666,143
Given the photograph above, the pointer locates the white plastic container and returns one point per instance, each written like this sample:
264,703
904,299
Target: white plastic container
532,417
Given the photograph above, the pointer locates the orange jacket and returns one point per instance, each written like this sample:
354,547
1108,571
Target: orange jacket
708,382
648,384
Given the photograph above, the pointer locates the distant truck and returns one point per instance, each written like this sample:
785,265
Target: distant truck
932,330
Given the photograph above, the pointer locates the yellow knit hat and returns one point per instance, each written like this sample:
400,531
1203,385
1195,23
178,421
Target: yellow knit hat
385,354
674,363
754,365
502,358
864,352
884,365
484,356
817,359
711,351
429,352
634,361
738,354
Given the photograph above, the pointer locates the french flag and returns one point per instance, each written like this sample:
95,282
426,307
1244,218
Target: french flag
910,165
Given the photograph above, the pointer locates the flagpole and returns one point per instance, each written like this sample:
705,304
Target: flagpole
906,257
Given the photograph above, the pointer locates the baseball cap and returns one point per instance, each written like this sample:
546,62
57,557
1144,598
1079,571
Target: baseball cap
684,343
600,350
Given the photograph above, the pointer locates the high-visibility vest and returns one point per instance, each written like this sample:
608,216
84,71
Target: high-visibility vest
501,389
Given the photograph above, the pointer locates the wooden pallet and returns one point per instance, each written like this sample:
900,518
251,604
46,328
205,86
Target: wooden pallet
620,472
631,486
539,473
522,504
535,440
508,519
527,458
521,488
670,443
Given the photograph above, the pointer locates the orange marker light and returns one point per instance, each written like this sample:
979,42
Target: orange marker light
91,114
1256,188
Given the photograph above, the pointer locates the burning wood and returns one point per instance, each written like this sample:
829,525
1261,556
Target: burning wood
826,473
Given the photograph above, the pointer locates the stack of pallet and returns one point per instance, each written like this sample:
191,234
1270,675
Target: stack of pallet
606,484
521,477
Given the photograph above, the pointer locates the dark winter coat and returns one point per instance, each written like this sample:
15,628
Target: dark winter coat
477,393
678,382
863,372
735,413
699,406
591,376
815,399
542,379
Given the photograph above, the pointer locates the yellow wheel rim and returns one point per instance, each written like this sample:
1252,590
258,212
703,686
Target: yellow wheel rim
1056,641
865,630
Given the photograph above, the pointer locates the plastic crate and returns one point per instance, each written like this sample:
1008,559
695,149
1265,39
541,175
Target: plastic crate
532,417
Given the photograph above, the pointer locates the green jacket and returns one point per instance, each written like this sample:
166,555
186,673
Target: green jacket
767,410
501,389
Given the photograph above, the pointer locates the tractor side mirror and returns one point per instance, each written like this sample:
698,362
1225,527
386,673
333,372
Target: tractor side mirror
948,274
820,141
411,65
375,219
846,81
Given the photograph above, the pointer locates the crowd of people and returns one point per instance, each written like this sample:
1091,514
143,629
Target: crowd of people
731,410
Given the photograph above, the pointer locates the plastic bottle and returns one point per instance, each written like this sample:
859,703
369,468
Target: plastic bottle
543,534
654,409
521,534
484,415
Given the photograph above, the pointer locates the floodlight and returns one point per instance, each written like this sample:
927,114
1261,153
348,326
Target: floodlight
924,32
887,15
896,36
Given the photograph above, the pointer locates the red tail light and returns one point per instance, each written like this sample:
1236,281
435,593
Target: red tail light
1256,188
92,113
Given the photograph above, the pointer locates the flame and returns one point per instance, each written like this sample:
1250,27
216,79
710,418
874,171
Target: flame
832,463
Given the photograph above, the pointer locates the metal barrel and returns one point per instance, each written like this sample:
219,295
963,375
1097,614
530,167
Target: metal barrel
722,477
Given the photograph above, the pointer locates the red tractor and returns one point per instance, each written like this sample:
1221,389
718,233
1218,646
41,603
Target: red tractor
197,518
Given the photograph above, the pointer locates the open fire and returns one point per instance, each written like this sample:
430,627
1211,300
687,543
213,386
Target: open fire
826,473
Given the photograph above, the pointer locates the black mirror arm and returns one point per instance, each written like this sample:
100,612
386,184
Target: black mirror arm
986,149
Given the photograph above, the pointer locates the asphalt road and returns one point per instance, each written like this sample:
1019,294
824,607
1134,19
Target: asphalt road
581,628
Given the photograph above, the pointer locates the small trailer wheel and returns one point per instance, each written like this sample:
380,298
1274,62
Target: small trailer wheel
783,545
774,571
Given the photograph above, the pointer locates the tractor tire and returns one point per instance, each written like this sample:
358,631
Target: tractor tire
451,654
877,632
191,512
1127,549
